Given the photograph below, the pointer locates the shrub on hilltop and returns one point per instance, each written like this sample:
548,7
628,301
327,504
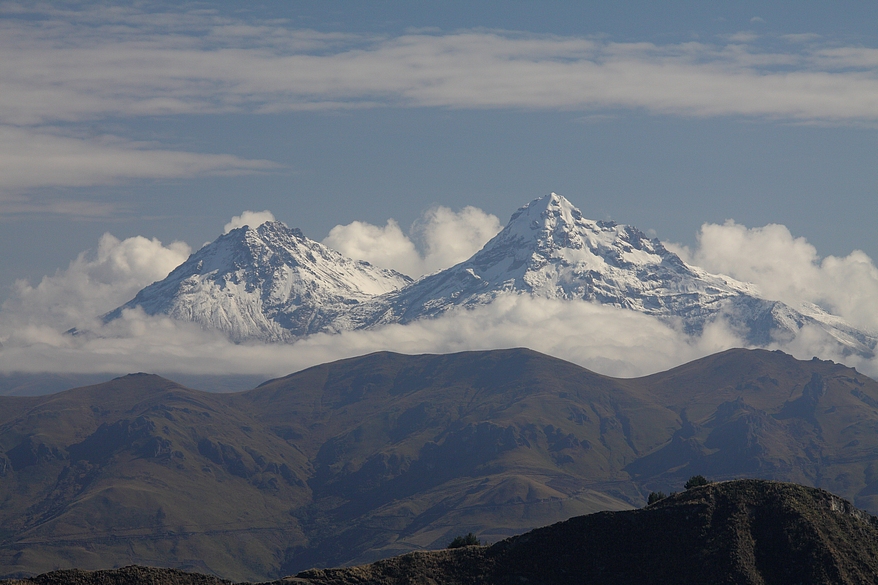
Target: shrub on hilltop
696,481
460,541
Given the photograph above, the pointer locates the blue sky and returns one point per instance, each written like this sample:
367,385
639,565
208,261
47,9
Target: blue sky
166,120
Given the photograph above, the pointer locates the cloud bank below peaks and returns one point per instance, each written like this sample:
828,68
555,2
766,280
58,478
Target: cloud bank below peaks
605,339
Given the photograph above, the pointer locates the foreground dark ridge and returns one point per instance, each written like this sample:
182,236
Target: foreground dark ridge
739,532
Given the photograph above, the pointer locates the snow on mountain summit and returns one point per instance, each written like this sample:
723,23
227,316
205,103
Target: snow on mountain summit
269,283
550,250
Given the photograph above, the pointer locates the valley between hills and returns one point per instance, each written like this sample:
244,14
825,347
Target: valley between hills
362,459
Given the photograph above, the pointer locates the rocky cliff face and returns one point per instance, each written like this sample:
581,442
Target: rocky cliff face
744,532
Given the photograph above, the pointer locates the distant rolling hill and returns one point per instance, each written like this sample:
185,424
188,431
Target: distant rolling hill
745,532
38,384
383,454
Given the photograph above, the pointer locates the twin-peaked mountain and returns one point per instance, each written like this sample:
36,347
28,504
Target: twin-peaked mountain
272,283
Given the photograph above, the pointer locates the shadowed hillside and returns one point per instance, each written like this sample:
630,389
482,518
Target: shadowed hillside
143,469
765,414
742,532
747,532
384,454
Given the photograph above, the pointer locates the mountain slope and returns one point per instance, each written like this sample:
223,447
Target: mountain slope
745,532
142,468
273,284
406,449
765,414
549,250
384,454
269,283
740,533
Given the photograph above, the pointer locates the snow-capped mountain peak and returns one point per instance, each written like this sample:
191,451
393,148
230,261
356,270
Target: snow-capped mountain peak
274,284
550,250
270,283
551,227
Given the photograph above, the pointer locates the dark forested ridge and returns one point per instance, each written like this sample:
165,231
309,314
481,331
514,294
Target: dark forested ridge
384,454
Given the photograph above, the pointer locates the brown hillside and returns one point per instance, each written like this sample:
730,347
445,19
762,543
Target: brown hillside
384,454
747,532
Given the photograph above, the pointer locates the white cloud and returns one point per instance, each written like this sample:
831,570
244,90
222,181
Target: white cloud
444,238
595,118
94,283
70,65
449,237
253,219
97,62
789,269
31,158
33,321
605,339
743,37
801,37
387,247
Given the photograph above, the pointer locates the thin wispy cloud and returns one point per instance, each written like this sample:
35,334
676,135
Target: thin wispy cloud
64,66
49,158
96,62
38,158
